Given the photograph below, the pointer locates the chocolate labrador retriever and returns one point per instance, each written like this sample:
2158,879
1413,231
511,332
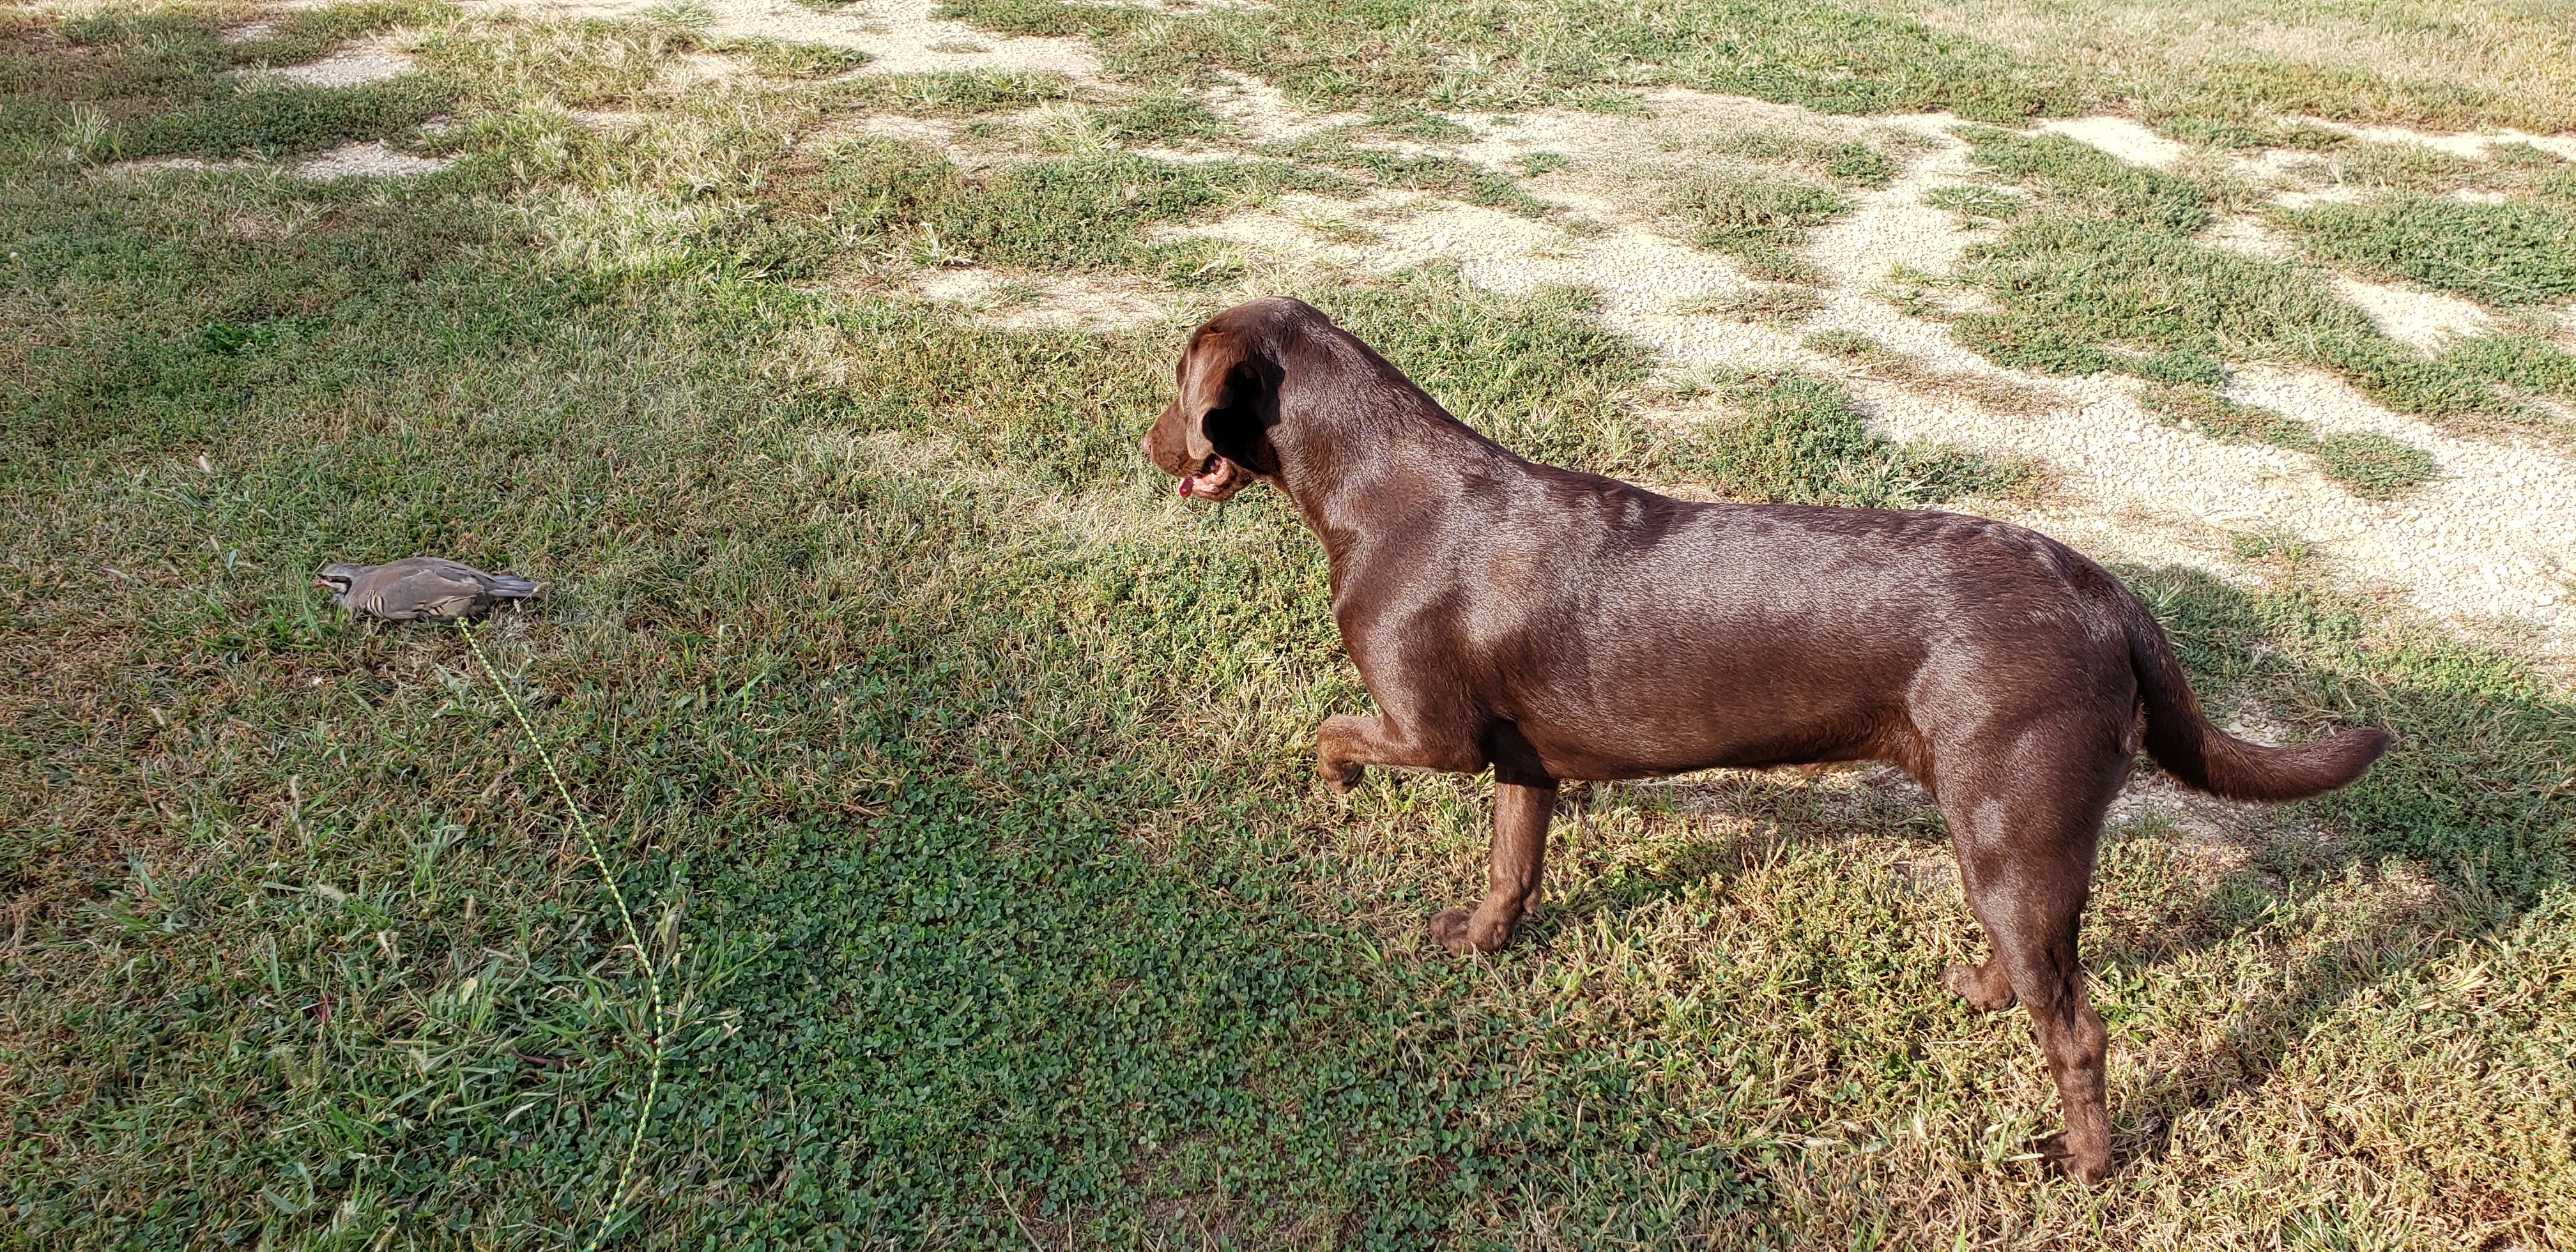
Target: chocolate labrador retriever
1557,625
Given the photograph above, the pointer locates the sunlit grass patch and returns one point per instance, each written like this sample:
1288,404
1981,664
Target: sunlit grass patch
2076,173
2513,171
1976,203
784,59
1758,218
1756,192
1445,175
1540,376
949,93
1084,124
969,771
1419,124
1535,164
1043,17
1845,162
2070,285
2525,362
269,117
1849,344
2256,133
1830,56
136,46
2502,254
514,62
1163,119
134,82
1072,213
1794,439
2084,293
2233,99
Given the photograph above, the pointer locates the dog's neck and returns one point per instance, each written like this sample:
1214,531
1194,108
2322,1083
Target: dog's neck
1357,461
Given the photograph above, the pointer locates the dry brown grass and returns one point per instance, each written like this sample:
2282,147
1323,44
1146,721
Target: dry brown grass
2441,64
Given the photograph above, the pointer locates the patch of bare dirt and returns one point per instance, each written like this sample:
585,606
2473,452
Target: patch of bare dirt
2480,542
371,61
2477,543
367,160
2120,137
899,36
1044,302
374,159
2421,319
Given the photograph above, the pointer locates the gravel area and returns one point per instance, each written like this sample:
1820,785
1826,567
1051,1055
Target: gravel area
900,36
2488,544
2491,543
370,61
2421,319
373,159
1021,302
367,160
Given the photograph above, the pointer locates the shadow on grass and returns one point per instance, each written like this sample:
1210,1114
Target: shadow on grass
881,660
2447,845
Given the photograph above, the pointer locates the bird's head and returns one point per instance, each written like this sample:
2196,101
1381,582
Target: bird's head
337,579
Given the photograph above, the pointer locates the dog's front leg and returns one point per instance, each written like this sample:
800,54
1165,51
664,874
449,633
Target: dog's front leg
1521,811
1348,743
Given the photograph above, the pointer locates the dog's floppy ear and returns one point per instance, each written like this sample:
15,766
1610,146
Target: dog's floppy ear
1230,400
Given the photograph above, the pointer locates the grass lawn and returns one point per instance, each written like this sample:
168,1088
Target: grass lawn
962,775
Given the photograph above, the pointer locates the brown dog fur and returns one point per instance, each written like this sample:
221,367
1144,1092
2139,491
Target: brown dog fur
1557,625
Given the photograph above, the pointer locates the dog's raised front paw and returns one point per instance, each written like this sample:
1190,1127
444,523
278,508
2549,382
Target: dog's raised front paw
1982,986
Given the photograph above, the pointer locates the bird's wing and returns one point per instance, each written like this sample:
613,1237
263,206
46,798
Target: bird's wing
441,566
433,593
504,584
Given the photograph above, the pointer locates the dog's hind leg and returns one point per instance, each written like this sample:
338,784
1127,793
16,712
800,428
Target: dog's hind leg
1522,807
2025,823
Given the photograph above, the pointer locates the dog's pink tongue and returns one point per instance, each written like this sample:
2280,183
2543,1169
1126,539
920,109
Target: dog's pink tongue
1208,482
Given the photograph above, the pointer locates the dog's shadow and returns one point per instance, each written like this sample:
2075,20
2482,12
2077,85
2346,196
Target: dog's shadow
1622,846
2447,844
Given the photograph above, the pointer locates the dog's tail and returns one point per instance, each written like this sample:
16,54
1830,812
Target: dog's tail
2181,738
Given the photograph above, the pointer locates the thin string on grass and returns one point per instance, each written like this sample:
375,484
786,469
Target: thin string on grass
652,982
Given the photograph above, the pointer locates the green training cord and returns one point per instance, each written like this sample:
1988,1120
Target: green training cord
652,982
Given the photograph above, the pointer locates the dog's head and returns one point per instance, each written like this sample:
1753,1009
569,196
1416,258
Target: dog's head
1215,436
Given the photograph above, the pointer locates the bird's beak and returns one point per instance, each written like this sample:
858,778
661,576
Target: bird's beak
322,582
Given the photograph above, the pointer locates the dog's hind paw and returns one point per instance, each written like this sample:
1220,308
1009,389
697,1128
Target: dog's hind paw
2083,1166
1456,932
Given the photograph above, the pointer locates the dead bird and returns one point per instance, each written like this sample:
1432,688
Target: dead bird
423,587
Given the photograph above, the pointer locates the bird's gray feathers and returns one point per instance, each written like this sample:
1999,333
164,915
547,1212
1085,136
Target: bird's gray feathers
423,588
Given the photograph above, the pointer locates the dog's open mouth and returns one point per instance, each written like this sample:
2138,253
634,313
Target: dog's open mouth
1217,478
